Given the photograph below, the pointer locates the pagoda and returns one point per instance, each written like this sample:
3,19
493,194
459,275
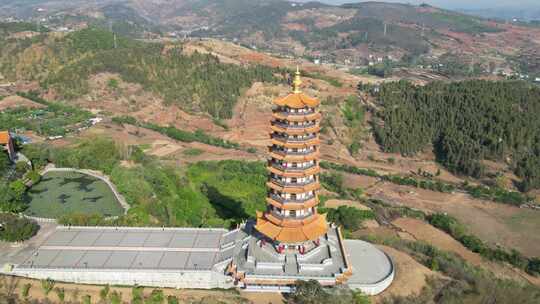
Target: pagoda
291,220
290,240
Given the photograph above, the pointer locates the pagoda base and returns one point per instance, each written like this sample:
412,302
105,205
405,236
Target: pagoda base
258,266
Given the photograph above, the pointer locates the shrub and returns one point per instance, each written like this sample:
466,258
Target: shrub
193,152
21,167
26,289
16,229
172,300
33,176
137,294
104,292
47,286
309,292
115,297
360,298
333,182
112,83
156,297
60,293
349,217
19,188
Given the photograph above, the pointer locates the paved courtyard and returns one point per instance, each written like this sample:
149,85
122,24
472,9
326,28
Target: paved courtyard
130,248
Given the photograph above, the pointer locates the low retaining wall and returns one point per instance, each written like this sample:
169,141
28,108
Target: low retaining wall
152,277
377,288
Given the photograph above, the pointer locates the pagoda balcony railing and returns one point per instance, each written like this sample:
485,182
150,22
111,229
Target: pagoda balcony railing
292,139
292,218
285,113
289,126
292,184
307,152
295,169
283,200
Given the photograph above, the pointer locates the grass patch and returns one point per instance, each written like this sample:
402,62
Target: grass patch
61,193
177,134
192,152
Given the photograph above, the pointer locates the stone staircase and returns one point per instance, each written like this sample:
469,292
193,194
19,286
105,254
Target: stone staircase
291,264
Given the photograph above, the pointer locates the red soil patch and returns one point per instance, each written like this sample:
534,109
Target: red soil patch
15,101
510,226
410,275
425,232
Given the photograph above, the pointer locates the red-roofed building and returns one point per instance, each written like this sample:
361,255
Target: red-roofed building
7,143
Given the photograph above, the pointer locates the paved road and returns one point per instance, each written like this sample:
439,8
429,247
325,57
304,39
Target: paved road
16,253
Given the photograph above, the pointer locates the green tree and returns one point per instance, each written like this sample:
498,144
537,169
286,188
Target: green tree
47,285
16,229
309,292
18,188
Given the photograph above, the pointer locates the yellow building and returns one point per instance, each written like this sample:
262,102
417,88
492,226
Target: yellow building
291,219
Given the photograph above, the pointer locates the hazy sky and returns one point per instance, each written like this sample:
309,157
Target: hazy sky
459,3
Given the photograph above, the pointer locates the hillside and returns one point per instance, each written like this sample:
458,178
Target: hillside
351,34
63,64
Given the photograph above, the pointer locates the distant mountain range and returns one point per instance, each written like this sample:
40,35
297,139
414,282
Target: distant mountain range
524,14
310,29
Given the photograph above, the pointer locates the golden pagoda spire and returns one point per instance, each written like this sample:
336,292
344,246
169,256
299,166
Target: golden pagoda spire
297,81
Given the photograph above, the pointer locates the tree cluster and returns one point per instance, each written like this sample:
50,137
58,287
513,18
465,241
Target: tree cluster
466,122
15,228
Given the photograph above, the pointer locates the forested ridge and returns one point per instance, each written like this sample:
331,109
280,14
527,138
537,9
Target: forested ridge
466,122
197,82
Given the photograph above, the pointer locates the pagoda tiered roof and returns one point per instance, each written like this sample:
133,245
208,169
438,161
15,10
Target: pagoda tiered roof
301,233
297,101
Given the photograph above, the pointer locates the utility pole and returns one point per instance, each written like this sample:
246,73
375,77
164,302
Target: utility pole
114,34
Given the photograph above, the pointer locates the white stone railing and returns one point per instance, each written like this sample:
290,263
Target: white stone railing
39,219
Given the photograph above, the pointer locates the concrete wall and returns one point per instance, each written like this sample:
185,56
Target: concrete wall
374,289
152,278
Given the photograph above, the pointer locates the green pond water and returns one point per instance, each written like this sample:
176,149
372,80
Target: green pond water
60,193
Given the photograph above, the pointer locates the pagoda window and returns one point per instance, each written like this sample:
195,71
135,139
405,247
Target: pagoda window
292,213
294,180
293,196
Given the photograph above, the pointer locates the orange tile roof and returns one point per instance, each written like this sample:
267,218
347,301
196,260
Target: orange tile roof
297,101
4,137
308,232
